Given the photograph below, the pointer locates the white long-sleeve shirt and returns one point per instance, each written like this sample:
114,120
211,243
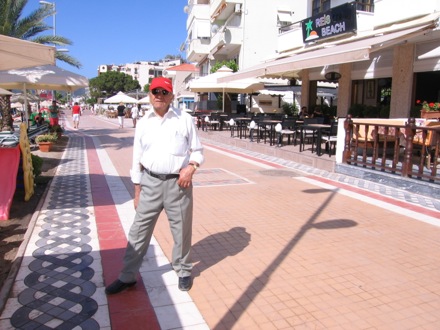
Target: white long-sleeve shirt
165,145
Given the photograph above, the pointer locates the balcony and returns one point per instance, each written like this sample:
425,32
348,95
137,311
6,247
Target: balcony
222,9
198,49
385,11
226,41
290,37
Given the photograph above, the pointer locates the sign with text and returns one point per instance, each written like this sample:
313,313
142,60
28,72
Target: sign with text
331,23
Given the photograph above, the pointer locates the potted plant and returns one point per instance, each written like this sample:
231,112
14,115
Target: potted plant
45,141
430,110
57,129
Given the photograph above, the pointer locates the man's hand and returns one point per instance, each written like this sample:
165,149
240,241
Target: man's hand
185,176
137,192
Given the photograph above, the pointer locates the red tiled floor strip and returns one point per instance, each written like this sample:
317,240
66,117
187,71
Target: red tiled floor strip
132,308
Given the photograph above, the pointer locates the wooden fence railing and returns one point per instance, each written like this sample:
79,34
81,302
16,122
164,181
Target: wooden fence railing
409,150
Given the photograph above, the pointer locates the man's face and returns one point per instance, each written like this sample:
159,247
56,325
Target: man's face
161,99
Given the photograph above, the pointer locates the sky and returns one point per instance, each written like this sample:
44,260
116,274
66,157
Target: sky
117,31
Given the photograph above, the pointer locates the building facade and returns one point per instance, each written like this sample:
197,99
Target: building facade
380,52
142,71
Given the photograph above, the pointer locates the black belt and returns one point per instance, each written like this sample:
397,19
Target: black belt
162,177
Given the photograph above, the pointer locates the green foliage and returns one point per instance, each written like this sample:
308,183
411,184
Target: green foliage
46,138
369,111
289,109
111,83
30,27
37,164
231,64
55,129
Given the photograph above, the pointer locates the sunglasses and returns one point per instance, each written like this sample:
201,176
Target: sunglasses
158,91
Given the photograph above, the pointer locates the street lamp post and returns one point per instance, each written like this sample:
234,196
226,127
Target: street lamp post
54,27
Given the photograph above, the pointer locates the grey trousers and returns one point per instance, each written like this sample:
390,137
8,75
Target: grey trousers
157,195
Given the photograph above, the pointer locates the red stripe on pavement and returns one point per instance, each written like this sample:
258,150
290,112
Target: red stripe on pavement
130,309
405,205
408,206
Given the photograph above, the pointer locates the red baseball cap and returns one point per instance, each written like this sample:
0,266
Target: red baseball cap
162,82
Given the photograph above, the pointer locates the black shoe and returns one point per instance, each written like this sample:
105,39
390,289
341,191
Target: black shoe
118,286
185,283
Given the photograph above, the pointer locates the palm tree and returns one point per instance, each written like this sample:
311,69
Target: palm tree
28,28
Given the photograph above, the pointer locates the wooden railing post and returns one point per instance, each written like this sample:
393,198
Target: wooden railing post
348,127
410,129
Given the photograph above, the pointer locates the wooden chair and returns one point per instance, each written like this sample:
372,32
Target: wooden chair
428,141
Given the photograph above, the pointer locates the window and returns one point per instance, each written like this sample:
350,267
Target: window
365,5
319,6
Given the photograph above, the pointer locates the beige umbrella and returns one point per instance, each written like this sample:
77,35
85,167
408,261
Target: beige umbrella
21,98
16,53
144,100
121,97
42,77
210,83
5,92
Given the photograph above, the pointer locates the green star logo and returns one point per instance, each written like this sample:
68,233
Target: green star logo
309,27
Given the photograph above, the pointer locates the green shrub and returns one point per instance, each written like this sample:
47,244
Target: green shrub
37,165
46,138
356,110
289,109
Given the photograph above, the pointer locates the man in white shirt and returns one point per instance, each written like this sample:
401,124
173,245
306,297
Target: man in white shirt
166,153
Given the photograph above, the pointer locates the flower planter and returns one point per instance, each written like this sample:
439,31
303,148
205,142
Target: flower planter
45,146
429,114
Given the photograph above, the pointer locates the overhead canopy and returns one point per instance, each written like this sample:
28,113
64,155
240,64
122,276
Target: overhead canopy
121,97
16,53
210,83
331,54
5,92
42,77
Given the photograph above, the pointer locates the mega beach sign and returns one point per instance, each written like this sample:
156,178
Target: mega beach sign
331,23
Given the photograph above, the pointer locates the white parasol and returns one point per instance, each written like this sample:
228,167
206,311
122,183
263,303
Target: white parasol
42,77
121,97
144,100
210,83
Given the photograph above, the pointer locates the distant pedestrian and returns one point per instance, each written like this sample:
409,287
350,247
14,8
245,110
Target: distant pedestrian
54,111
121,114
135,114
76,113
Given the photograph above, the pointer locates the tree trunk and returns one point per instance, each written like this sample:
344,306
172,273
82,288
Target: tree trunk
5,106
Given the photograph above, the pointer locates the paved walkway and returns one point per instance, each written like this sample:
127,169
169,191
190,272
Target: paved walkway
275,246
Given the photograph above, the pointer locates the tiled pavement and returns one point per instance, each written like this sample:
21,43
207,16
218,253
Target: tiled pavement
276,245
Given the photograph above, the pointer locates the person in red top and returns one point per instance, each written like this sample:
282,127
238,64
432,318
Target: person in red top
76,113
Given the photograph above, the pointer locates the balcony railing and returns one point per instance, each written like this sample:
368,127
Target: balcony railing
407,150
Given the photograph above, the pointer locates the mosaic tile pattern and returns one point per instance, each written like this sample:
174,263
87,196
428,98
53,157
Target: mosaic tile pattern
58,289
